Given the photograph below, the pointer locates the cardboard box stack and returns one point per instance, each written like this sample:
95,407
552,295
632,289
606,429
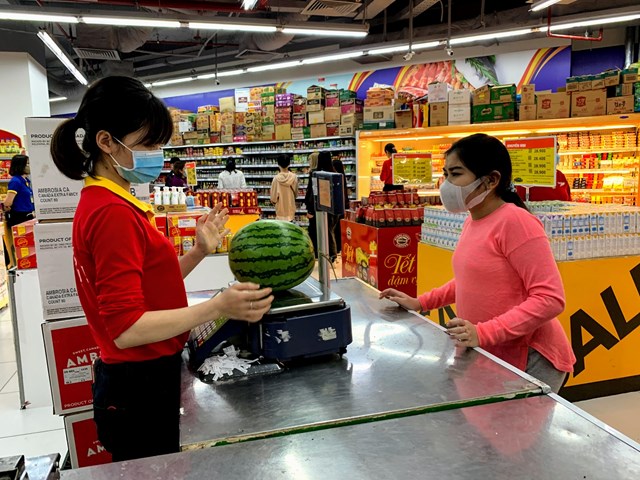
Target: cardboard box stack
316,98
528,110
501,106
459,107
553,105
24,245
379,109
438,106
227,119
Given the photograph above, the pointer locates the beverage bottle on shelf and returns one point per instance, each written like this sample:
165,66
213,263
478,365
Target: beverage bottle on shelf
157,195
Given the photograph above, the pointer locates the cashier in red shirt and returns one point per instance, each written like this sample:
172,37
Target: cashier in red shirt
538,194
129,280
386,175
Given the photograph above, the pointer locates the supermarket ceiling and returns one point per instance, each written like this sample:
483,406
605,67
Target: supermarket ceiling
159,53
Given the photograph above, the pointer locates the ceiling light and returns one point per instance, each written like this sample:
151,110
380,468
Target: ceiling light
37,17
57,99
274,66
130,22
542,4
406,139
62,56
232,27
172,81
382,51
595,22
325,33
332,58
490,36
228,73
424,45
249,4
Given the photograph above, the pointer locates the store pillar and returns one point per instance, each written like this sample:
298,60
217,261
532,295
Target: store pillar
24,92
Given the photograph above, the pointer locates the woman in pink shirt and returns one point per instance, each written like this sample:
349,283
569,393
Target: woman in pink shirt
506,287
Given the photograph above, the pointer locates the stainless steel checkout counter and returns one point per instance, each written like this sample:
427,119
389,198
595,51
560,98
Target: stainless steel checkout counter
402,401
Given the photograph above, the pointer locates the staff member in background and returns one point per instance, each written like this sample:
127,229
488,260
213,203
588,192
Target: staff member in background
129,280
230,177
176,178
18,205
386,175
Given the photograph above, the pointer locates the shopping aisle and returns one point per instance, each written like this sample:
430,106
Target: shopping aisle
33,431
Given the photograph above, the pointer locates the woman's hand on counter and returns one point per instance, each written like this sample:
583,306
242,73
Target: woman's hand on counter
401,298
243,301
463,332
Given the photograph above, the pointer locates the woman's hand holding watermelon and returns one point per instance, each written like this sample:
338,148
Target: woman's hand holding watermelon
401,298
243,301
210,230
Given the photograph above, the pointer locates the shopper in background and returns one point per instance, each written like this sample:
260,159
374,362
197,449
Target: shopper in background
284,190
386,175
230,177
129,280
324,165
339,167
506,285
177,177
18,204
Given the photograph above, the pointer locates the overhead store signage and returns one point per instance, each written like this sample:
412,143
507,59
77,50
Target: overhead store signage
190,172
533,161
412,169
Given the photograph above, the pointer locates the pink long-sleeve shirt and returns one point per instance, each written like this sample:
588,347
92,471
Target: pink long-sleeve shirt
506,282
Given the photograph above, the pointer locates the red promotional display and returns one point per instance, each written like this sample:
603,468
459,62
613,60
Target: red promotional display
70,352
85,450
382,257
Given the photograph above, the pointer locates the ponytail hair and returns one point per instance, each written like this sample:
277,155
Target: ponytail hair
118,105
483,154
66,153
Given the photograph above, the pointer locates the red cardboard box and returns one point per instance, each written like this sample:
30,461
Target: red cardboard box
23,234
27,262
70,351
182,224
24,252
85,450
161,223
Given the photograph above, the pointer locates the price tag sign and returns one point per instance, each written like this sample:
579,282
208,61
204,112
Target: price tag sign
412,169
533,161
190,172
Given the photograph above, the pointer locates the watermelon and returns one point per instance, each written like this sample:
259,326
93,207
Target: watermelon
271,253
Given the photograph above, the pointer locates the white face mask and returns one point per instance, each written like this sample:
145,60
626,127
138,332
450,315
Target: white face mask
454,197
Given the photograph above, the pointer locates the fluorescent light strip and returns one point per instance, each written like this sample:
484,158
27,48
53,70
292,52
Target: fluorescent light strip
423,45
173,81
37,17
382,51
407,139
490,36
233,27
332,58
536,7
130,22
325,33
57,99
274,66
66,61
228,73
595,22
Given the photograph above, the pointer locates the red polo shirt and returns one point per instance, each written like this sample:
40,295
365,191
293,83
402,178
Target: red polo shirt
562,191
124,267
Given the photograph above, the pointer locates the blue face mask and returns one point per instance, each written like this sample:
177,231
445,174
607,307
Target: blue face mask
147,165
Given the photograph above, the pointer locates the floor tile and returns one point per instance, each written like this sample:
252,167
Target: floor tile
32,445
7,352
29,420
12,386
6,331
7,370
618,411
9,401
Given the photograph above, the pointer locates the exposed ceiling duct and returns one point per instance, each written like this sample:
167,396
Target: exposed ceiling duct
123,40
332,8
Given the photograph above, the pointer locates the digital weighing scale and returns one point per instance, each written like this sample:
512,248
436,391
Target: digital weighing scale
306,321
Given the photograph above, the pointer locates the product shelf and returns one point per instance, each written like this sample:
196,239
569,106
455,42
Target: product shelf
597,170
309,150
587,152
269,142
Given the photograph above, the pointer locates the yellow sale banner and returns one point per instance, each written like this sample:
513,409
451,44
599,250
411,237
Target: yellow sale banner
190,172
533,161
412,169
